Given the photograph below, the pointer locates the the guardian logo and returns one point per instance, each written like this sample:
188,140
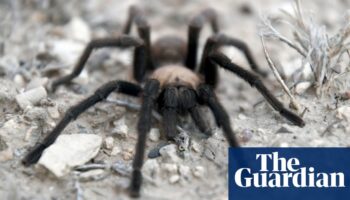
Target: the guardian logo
289,173
284,172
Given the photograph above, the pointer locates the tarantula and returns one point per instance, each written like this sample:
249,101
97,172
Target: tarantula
168,82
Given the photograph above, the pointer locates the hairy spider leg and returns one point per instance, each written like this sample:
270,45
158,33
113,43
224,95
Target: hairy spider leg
137,16
182,100
254,80
169,106
208,97
150,95
189,100
209,70
194,29
122,41
100,94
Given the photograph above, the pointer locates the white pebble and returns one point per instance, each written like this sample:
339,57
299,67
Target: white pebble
115,151
78,29
109,143
300,88
170,168
198,171
242,116
69,151
184,171
31,97
151,168
154,134
195,146
173,179
169,153
53,112
121,128
19,80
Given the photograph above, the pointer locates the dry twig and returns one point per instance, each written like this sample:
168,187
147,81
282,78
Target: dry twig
294,104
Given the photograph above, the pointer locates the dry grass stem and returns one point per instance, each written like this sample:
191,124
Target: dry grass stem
311,40
293,102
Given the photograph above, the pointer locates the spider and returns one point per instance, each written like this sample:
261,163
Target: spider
168,82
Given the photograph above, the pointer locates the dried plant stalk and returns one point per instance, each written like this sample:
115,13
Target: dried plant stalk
293,102
312,41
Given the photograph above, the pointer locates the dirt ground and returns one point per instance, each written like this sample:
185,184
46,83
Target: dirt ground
40,39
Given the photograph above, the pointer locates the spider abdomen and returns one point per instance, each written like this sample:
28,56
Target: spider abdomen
176,75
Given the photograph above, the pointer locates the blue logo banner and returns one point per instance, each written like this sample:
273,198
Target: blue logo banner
289,173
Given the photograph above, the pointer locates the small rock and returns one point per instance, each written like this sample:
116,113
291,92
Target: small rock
169,153
37,82
261,131
69,151
245,107
170,168
195,146
31,97
242,116
78,29
198,171
109,143
185,171
13,131
154,153
343,113
121,128
115,151
36,114
53,112
174,179
29,133
151,168
247,135
128,154
300,88
91,175
154,134
6,155
19,80
122,168
211,148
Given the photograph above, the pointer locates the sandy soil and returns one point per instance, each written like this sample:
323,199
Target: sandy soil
37,40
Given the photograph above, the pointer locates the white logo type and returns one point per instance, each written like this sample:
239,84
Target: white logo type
286,173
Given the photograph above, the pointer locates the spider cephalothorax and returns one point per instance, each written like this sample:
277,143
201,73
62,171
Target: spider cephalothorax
168,82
